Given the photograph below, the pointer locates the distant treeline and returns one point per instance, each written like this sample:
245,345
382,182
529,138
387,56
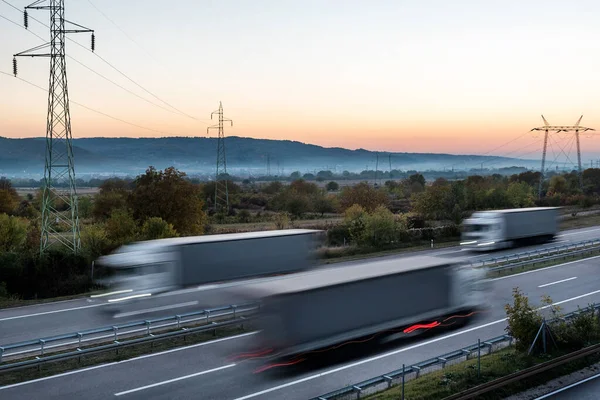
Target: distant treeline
319,176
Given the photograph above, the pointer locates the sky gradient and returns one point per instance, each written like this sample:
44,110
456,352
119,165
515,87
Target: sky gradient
411,76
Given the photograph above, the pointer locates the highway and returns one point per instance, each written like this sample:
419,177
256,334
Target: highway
206,370
32,322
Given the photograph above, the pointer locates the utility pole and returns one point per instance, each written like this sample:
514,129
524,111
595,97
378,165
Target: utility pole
390,161
547,128
60,214
269,165
221,192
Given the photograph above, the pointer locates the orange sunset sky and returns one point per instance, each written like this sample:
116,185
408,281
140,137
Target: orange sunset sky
410,76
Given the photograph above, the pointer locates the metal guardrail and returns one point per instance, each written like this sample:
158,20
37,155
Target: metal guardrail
384,382
118,345
526,373
538,254
41,347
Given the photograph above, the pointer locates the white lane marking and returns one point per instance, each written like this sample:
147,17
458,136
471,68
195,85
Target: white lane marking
554,283
568,387
175,380
50,312
391,353
543,269
126,361
56,376
162,308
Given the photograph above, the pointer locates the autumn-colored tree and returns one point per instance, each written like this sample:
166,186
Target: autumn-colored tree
157,228
9,199
113,195
13,233
364,195
168,195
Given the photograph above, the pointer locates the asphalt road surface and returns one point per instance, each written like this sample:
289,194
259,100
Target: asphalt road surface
587,389
206,371
44,320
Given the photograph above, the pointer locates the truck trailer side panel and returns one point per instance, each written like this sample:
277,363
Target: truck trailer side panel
237,259
319,314
530,223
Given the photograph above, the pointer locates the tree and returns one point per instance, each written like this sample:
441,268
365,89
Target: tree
121,228
13,233
364,195
281,220
157,228
519,194
95,241
355,218
557,185
113,195
380,228
9,198
332,186
85,206
168,195
323,204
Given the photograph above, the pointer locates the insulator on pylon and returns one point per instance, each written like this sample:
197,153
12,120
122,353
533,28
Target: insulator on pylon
14,66
93,42
25,19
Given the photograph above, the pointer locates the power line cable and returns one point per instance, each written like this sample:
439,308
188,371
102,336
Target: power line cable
91,109
110,65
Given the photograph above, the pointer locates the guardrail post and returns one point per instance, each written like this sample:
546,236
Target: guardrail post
478,358
389,380
234,308
1,353
147,327
42,342
178,321
115,330
403,370
79,336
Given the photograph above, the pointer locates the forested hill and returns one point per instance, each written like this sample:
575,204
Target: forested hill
132,155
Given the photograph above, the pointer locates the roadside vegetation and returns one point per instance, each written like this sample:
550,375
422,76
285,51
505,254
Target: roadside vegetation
524,322
363,219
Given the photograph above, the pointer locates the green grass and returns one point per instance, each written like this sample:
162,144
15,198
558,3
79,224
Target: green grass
335,255
459,377
583,221
57,367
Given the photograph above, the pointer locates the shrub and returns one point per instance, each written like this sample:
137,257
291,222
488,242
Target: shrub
523,320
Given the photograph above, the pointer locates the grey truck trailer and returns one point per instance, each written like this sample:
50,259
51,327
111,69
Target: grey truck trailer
171,271
500,229
329,306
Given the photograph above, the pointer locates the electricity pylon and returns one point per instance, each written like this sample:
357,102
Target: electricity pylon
60,216
547,128
221,192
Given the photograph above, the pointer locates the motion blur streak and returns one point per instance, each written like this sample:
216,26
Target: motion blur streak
251,355
421,326
287,364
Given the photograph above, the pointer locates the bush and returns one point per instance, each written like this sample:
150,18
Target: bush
157,228
523,320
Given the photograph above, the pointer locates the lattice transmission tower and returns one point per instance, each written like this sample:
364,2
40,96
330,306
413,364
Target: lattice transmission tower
60,217
221,191
547,128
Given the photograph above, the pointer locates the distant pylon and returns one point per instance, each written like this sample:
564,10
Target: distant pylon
221,191
60,216
573,128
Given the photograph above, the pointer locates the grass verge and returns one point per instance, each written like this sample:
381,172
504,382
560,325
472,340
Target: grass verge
456,378
336,255
124,353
